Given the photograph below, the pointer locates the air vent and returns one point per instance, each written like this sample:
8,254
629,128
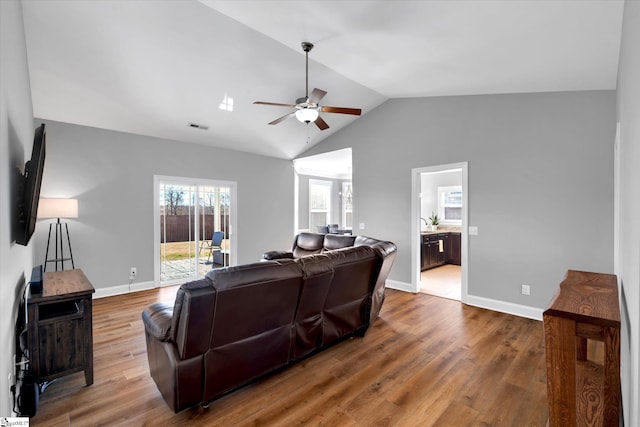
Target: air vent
198,126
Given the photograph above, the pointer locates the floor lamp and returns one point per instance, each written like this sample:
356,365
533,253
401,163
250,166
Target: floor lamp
58,208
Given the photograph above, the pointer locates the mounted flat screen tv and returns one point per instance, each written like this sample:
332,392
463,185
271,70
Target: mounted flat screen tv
31,181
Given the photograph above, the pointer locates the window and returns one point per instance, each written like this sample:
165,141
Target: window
319,203
450,204
347,205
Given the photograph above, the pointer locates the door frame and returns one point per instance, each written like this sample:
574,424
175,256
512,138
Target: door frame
415,223
233,187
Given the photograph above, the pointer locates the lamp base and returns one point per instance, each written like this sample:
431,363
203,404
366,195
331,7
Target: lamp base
59,244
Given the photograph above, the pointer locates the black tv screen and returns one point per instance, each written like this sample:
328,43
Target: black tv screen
28,203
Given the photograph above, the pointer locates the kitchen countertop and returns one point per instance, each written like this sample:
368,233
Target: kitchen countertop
441,229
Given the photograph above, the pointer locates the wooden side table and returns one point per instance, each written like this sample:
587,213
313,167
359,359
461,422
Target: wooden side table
60,327
581,392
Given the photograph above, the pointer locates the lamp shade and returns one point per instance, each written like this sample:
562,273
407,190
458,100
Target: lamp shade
307,115
58,208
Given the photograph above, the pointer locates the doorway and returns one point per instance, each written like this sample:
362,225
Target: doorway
193,228
439,224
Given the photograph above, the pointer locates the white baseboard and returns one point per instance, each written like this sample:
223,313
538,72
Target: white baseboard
123,289
400,286
505,307
482,302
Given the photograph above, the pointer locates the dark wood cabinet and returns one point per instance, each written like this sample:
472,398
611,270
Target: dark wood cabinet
455,248
434,250
60,330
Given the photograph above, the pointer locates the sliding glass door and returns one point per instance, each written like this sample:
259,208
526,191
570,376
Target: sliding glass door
193,227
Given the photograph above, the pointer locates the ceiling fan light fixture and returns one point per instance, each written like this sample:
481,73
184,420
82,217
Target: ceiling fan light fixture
306,115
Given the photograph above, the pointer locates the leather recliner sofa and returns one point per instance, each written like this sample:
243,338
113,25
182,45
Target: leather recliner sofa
240,323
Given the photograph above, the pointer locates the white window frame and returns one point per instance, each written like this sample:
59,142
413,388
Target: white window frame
442,205
232,232
320,183
346,185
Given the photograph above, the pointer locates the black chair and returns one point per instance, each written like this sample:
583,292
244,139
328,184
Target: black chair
214,247
323,229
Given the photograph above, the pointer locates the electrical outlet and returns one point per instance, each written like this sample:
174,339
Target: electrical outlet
132,273
526,290
361,226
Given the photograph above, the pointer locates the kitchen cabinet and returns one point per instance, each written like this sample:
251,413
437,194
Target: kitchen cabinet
455,249
434,250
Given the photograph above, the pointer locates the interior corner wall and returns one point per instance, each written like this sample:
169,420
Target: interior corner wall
628,110
540,182
111,174
303,200
16,139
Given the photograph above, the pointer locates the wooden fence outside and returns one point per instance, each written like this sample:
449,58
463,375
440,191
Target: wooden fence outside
180,228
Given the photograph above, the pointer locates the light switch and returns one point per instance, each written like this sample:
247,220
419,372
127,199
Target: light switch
473,231
362,226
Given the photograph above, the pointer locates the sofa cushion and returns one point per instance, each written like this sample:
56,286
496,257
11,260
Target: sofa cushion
348,303
337,241
318,274
253,317
307,244
157,320
192,317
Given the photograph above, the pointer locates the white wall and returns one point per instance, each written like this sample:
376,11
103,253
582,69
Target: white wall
549,155
303,200
429,183
628,104
111,175
16,139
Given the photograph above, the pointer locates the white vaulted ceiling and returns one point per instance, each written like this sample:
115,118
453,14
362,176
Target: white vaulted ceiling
151,67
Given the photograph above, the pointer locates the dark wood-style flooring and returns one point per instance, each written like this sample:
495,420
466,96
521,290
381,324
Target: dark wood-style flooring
426,361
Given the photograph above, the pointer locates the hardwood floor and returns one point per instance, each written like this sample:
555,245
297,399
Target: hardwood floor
427,361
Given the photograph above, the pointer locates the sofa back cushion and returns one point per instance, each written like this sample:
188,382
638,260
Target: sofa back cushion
387,253
337,241
307,328
347,306
192,317
307,244
251,334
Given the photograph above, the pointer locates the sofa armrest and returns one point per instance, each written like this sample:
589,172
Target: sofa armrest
157,320
277,255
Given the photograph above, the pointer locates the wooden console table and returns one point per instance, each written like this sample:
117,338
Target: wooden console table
579,391
60,327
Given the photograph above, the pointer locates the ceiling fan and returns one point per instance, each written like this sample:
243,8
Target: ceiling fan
306,108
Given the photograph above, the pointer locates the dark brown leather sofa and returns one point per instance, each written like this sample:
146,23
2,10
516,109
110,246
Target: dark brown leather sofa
240,323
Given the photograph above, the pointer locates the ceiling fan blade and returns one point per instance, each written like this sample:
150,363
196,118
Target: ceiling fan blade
322,125
274,103
316,96
283,118
341,110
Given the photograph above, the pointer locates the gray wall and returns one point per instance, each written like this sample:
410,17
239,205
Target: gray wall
111,174
550,155
628,104
16,139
